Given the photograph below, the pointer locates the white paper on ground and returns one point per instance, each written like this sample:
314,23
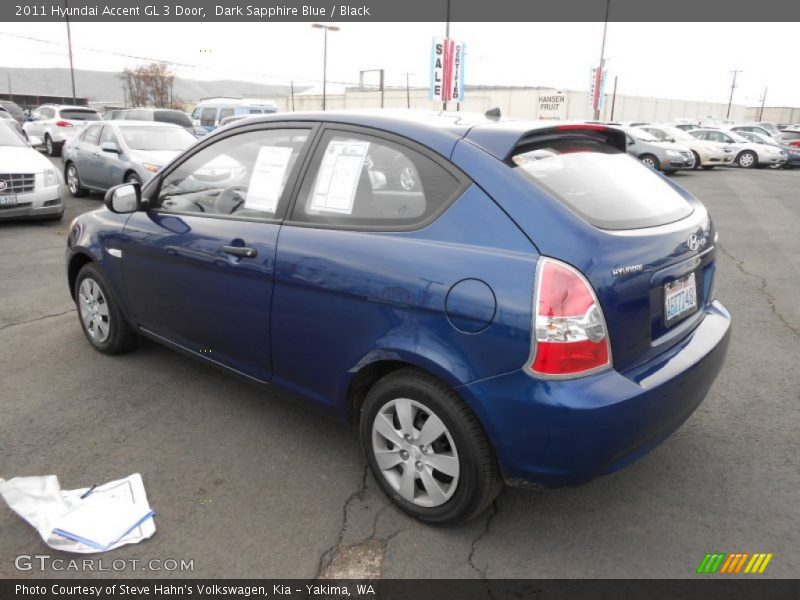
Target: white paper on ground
114,514
338,176
266,182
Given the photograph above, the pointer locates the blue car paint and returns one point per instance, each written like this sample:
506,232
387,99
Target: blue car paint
336,307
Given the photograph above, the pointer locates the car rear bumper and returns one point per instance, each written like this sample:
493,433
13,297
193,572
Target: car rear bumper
45,203
568,432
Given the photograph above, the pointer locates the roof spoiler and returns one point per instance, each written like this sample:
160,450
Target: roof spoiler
610,135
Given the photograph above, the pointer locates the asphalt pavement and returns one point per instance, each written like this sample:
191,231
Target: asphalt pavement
247,483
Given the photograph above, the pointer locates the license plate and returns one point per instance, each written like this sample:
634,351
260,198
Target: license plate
8,200
680,298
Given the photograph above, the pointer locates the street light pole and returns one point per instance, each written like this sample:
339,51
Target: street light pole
325,28
71,67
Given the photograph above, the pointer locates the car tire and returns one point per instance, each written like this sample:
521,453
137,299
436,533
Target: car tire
470,479
100,315
747,160
73,180
651,161
51,147
132,178
696,164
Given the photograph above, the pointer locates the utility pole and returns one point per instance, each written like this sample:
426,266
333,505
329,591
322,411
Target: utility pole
598,79
733,87
613,98
71,67
291,86
446,37
760,112
381,88
10,93
408,90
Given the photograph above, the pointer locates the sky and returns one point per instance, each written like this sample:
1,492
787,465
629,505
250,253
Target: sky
691,61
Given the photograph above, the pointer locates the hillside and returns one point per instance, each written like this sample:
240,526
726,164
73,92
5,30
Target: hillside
105,86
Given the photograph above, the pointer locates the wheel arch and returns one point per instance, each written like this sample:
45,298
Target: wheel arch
76,263
367,374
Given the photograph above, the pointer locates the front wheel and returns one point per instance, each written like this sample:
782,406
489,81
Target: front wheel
747,160
133,178
696,164
648,160
100,315
427,449
74,181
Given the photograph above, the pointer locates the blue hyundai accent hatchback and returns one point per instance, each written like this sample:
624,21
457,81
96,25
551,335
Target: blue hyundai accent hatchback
486,300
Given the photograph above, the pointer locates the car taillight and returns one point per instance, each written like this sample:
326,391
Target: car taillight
63,124
570,337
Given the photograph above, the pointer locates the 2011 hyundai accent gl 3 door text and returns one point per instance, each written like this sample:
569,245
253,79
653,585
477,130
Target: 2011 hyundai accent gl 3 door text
486,300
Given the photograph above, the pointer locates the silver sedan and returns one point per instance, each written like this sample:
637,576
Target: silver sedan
112,152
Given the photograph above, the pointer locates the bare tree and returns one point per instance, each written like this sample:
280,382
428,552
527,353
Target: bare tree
149,85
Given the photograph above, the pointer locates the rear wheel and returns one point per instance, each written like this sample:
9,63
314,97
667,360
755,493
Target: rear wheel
427,449
51,147
100,315
651,161
74,181
747,160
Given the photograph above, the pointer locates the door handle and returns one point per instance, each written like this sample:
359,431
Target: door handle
242,251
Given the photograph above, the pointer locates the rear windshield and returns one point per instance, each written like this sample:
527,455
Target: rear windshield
12,108
790,135
601,184
76,114
173,116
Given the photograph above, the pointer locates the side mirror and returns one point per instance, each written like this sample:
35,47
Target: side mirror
630,142
124,198
110,147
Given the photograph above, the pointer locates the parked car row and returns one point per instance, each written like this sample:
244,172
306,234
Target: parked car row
669,147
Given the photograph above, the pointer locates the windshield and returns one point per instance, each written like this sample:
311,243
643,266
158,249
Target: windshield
641,134
9,137
157,138
602,184
680,134
658,133
77,114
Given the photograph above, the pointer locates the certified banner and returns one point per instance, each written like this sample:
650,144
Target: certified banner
447,70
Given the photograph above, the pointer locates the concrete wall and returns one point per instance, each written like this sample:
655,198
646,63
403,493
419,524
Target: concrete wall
524,103
774,114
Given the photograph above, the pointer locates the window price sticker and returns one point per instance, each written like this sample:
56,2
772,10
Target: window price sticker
268,177
338,177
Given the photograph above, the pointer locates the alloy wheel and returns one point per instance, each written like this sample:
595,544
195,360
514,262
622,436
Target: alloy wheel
94,310
72,179
415,452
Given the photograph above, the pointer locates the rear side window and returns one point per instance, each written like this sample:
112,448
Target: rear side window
601,184
225,112
360,181
92,135
76,114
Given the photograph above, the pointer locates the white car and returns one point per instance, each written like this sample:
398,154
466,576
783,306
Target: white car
706,154
747,154
767,129
29,184
55,124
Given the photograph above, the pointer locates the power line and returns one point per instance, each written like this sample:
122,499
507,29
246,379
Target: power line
165,61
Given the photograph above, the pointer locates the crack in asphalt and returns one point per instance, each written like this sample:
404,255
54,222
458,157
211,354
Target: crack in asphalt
486,526
762,288
16,323
327,557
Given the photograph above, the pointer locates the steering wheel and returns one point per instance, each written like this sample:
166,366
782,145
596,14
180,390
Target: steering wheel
230,199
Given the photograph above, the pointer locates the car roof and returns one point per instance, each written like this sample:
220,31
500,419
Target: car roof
438,130
132,123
